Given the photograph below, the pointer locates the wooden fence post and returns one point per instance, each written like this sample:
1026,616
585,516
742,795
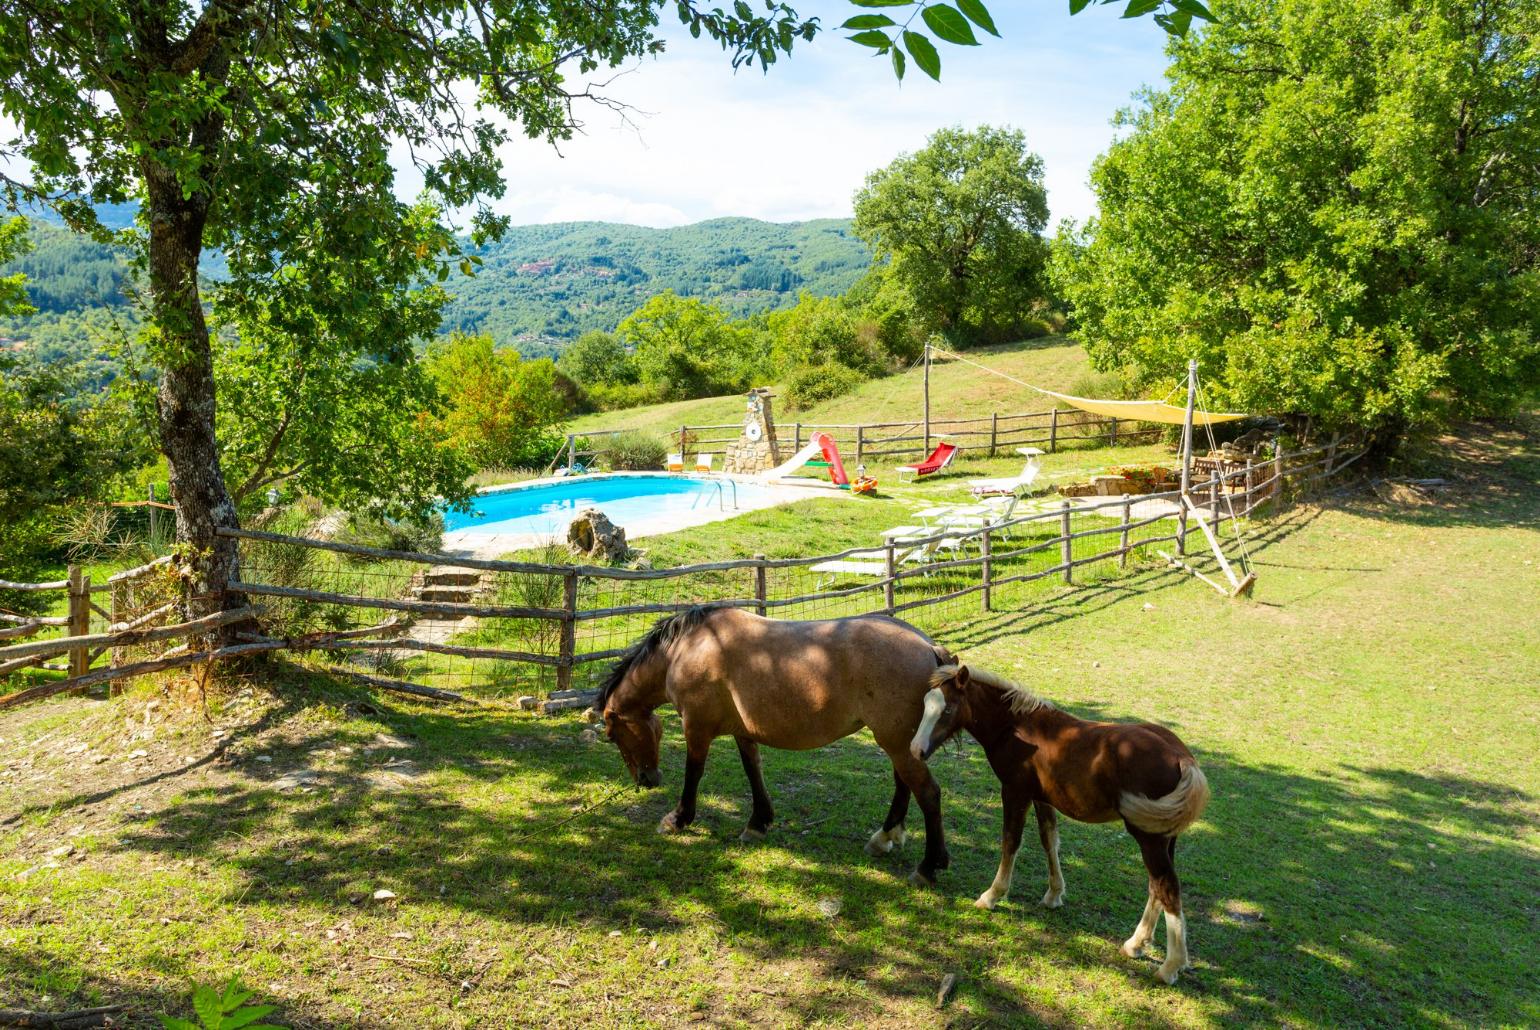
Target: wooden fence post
994,431
568,630
1068,544
860,444
1331,455
571,451
1053,431
122,604
759,583
1128,516
1113,442
1213,498
984,566
796,437
1278,475
887,586
80,619
682,431
154,516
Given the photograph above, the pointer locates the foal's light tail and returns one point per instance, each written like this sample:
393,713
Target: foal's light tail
1173,813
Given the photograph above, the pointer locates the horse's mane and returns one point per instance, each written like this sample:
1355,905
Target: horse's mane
1022,701
663,633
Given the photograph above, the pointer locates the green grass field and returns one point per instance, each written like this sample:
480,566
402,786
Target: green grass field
1368,723
957,391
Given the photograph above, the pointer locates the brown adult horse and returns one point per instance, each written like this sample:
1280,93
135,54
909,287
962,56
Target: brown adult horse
1091,771
792,685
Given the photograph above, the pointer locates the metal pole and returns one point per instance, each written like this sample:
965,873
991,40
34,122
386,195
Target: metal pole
1192,397
927,396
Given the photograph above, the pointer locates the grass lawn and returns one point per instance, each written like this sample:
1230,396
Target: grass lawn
1368,724
957,390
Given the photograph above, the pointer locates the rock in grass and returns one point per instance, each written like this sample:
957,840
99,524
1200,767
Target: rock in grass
948,984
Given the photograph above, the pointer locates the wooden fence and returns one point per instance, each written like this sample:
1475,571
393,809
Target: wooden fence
986,560
990,434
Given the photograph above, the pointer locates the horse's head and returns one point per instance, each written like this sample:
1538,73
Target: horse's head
946,710
638,735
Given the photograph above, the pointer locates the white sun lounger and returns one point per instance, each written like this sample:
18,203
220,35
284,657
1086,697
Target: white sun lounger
1010,484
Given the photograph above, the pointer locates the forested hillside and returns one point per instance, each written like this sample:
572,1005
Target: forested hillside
553,282
540,287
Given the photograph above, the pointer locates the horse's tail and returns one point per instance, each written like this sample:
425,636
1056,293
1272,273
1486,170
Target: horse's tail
1173,813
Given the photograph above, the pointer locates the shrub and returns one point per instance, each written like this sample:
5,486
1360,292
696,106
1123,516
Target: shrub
810,384
369,529
637,452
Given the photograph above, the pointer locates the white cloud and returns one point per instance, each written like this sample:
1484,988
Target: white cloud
797,143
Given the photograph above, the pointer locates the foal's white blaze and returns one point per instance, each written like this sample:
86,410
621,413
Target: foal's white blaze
935,704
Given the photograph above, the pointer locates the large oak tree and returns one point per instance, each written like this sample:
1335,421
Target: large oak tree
265,130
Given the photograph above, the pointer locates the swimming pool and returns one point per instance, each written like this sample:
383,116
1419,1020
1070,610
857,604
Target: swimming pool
638,503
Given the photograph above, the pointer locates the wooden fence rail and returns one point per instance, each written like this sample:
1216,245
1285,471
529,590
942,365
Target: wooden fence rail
1228,496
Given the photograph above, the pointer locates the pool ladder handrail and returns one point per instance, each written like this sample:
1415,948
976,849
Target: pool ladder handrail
721,494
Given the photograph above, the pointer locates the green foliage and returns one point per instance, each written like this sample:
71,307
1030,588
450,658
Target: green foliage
547,284
960,221
60,446
686,348
372,529
597,358
499,410
13,285
806,385
1331,208
223,1010
636,452
821,331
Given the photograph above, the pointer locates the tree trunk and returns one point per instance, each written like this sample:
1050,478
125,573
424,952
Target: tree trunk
185,402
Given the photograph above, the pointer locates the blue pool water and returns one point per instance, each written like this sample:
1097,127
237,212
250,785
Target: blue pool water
627,500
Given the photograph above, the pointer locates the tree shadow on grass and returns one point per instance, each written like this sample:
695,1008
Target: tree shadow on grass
1311,898
1492,469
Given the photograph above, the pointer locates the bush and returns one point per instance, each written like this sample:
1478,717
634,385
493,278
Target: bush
372,530
636,452
810,384
614,396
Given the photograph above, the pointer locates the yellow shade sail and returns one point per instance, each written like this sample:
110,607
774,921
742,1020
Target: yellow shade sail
1144,411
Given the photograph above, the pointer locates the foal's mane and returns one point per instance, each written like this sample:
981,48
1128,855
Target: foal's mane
663,633
1022,701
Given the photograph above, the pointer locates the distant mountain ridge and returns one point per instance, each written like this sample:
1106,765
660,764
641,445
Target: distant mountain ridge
549,283
541,285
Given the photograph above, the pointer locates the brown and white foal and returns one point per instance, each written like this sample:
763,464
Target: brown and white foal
1094,772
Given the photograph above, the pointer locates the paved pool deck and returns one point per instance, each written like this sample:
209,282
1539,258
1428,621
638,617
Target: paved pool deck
489,542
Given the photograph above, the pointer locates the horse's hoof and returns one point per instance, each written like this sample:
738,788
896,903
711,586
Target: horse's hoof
884,841
751,835
1052,900
669,824
987,901
1167,975
919,879
1132,948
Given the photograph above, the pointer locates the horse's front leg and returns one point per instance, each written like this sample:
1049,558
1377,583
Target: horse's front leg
916,774
1048,833
697,747
892,835
763,815
1015,810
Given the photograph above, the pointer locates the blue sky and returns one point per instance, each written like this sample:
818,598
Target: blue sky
706,142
